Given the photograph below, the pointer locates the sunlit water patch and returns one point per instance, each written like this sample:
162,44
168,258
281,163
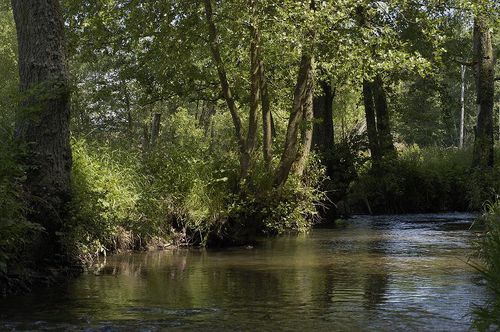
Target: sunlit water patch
384,273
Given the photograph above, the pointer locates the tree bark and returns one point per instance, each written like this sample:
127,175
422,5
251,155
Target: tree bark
128,108
155,129
462,109
226,89
307,133
386,142
255,92
323,136
145,138
303,90
371,124
42,120
267,120
485,77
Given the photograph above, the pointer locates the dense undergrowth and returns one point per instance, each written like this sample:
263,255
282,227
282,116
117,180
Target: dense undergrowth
16,232
180,192
423,180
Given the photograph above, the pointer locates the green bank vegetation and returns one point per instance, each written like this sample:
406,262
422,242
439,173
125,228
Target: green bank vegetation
133,125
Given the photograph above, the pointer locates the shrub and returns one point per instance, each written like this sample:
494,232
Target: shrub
106,192
424,180
15,230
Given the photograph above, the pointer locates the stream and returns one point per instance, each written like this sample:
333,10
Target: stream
384,273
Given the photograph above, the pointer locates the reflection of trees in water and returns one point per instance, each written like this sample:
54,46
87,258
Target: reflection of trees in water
375,289
376,283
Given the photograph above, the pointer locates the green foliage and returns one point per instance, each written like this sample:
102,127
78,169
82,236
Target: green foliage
487,318
16,232
424,180
187,179
185,189
106,191
262,209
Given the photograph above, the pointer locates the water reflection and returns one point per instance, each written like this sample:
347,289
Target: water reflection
384,273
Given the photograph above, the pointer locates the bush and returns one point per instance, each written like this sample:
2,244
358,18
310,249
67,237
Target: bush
424,180
265,210
106,192
185,189
15,230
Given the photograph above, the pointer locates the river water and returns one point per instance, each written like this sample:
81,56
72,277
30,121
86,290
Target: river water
384,273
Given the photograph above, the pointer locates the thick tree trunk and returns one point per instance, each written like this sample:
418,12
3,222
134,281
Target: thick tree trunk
323,136
371,124
302,95
484,67
385,139
42,123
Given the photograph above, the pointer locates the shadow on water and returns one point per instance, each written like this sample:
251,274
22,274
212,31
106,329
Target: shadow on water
376,273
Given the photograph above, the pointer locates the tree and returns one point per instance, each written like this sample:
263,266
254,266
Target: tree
42,120
323,135
484,63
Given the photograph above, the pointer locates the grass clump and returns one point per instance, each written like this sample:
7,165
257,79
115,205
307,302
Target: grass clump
488,247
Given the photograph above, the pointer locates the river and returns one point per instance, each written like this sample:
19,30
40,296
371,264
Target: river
384,273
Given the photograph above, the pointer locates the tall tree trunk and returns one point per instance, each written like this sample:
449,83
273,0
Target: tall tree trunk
226,89
255,92
206,115
385,139
128,108
303,90
155,129
307,133
462,110
484,67
42,122
267,119
323,136
371,124
146,139
294,154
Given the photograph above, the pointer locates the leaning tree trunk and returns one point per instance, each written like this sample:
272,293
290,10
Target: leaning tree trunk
302,95
226,88
42,121
307,133
484,68
371,124
385,139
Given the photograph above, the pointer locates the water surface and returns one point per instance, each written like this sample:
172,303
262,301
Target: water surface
383,273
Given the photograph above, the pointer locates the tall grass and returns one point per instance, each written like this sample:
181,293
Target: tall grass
488,317
183,191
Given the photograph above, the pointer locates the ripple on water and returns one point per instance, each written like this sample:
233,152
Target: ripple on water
378,273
